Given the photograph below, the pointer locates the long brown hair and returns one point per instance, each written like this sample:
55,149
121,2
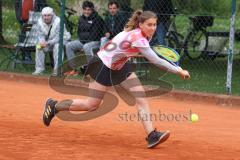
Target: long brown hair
138,16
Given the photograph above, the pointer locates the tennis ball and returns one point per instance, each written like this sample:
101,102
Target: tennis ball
38,46
194,117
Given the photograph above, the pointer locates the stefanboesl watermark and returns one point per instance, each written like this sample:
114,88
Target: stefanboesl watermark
156,116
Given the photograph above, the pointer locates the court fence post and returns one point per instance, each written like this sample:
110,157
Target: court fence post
60,50
231,50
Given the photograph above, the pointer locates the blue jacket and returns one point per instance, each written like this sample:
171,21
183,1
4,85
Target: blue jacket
163,8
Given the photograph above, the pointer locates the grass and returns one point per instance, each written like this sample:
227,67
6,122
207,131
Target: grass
5,59
206,75
10,26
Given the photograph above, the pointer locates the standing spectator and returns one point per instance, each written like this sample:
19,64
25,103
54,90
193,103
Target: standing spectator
48,39
90,30
22,8
125,8
115,22
163,9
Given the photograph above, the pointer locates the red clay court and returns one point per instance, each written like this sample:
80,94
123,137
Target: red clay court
23,136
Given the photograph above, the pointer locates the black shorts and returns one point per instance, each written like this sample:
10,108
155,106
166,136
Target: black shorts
106,76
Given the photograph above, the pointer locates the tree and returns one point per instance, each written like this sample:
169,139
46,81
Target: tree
1,25
125,5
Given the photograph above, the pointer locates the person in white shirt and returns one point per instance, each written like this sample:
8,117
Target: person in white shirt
48,40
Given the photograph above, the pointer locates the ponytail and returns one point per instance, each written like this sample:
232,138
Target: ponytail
133,21
138,16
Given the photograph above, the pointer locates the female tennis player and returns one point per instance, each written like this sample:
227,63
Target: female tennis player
112,60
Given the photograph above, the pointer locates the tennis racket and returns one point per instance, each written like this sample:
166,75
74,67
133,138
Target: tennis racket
167,53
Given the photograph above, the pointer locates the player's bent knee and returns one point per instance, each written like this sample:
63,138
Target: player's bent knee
93,105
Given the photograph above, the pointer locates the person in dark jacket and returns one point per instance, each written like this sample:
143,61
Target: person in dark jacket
114,22
163,9
90,30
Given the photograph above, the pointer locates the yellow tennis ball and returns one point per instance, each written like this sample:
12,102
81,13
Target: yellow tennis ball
38,46
194,117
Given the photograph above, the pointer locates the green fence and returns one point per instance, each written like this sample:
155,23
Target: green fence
199,30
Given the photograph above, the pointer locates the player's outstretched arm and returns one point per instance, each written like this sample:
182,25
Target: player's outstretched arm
151,56
148,53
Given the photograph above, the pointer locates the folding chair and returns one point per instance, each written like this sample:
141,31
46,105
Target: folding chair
26,42
28,45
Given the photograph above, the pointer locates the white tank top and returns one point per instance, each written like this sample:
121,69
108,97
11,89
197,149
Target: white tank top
121,48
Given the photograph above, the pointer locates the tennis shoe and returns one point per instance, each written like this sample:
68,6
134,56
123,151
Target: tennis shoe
155,137
49,111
